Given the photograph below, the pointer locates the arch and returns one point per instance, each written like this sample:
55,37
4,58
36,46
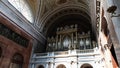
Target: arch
17,61
86,65
23,7
61,12
64,15
40,66
61,66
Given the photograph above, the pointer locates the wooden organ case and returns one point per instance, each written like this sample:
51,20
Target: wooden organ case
69,38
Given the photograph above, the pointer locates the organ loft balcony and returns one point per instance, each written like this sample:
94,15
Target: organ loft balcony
69,46
70,38
69,41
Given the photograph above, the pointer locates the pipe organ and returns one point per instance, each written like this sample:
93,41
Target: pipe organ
69,38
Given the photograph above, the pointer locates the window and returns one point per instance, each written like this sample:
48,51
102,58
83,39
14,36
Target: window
23,7
17,61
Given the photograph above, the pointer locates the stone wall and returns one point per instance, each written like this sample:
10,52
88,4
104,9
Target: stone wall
10,47
113,24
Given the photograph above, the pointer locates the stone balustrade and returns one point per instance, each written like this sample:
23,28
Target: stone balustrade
65,53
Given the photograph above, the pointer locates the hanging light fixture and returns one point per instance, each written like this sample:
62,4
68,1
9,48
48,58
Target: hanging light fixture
112,8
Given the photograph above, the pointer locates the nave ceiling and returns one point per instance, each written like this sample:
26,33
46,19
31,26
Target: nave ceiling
51,13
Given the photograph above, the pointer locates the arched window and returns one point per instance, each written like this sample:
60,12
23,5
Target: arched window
17,61
23,7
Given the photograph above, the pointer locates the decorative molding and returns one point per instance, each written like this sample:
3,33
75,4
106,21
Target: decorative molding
61,13
69,38
8,33
97,15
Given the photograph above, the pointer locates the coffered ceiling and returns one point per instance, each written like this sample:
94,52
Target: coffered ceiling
49,14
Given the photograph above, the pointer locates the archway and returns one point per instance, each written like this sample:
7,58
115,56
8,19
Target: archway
17,61
86,66
61,66
40,66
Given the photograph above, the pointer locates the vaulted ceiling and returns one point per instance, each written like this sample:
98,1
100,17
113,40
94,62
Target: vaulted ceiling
50,14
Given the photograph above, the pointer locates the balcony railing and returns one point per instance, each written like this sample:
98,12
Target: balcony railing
63,53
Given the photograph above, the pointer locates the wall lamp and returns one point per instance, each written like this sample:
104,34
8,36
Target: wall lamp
112,10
